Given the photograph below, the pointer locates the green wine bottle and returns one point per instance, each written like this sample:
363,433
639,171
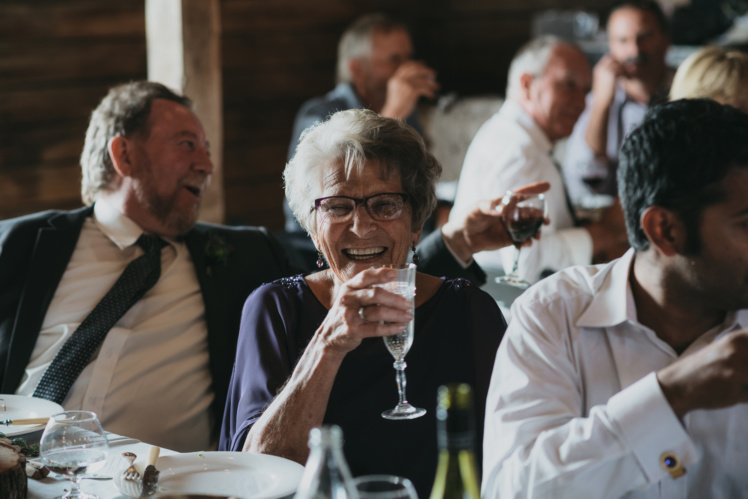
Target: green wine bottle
456,472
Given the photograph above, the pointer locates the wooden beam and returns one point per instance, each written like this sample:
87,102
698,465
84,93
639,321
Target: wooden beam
184,53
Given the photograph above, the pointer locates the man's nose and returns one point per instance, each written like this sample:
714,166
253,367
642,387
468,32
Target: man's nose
203,163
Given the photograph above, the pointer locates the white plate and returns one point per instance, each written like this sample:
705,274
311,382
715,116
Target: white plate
22,407
240,474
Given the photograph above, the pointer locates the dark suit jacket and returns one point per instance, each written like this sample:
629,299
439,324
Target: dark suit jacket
35,251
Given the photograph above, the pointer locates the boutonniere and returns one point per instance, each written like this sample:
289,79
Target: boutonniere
217,252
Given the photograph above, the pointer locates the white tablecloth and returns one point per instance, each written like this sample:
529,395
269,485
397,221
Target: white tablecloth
51,487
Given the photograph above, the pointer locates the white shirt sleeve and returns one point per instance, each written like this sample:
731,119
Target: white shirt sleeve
541,441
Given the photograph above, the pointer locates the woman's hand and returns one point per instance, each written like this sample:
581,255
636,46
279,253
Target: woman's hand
362,310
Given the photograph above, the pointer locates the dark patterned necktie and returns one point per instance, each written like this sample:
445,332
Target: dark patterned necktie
138,277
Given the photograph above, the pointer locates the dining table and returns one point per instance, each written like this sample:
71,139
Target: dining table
101,484
255,475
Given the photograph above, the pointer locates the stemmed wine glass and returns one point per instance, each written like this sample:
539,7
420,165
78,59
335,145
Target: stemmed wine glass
399,344
523,215
72,444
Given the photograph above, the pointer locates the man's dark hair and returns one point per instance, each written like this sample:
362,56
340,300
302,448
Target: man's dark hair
123,111
676,159
651,6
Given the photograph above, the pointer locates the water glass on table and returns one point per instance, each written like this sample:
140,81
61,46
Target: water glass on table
399,344
74,443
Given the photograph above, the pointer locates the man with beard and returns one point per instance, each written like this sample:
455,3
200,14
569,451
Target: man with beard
129,307
630,379
625,83
161,371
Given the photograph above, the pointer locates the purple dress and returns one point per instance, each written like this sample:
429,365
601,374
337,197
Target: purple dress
457,333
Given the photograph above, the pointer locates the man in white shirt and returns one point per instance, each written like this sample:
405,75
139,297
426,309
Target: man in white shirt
625,82
630,379
547,83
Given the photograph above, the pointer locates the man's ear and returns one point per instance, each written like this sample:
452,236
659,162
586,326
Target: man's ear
664,229
525,82
120,154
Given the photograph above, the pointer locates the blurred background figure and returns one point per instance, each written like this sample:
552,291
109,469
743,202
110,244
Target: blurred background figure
548,81
626,81
718,73
375,71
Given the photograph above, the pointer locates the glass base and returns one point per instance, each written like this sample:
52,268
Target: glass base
403,411
513,281
79,495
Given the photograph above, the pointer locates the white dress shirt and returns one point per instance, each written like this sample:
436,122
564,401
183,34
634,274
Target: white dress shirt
150,379
574,409
624,116
510,151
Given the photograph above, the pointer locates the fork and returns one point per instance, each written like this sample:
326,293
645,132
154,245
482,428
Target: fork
130,473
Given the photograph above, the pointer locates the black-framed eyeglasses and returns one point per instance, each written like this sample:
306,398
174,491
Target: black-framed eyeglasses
380,207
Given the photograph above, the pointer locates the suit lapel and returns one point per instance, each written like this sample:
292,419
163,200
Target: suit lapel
52,251
214,288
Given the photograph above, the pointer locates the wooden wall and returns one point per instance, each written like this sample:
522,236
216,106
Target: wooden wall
58,57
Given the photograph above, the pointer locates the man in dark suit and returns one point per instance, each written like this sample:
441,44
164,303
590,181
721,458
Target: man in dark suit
160,370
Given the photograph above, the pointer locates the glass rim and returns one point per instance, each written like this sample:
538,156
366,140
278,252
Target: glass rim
66,415
383,478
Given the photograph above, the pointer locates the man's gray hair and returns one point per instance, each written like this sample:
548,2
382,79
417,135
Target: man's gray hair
532,58
346,141
124,111
356,42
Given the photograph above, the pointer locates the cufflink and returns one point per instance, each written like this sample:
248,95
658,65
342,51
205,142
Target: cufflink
670,463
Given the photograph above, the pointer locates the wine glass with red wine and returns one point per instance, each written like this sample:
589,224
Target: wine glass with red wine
523,215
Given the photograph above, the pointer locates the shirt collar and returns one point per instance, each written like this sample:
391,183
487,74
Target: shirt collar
117,226
346,92
612,299
514,112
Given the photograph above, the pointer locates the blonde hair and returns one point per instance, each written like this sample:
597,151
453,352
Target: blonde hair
717,73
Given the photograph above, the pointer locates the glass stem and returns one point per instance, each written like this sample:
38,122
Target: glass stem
75,489
515,266
400,366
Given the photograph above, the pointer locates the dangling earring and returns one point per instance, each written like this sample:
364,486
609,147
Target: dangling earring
415,255
320,261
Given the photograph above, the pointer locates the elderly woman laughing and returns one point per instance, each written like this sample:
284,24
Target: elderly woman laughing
310,350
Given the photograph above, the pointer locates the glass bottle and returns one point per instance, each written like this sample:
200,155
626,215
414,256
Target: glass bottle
326,474
456,472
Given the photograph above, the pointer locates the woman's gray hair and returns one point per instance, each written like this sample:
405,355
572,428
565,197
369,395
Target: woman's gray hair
345,141
123,111
356,41
532,58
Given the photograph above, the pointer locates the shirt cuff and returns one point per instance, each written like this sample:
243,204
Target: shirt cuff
579,244
651,428
459,260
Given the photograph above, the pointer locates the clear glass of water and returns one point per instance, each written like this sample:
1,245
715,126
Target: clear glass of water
399,344
74,443
384,487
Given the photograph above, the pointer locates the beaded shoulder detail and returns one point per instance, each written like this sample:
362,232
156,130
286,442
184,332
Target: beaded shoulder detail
459,282
290,282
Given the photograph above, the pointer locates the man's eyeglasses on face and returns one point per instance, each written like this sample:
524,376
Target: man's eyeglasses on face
380,207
